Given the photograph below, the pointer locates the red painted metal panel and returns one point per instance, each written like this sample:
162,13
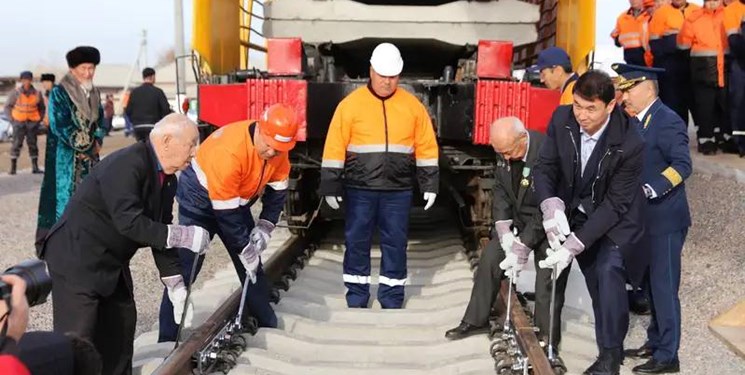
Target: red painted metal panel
494,59
265,92
220,105
543,102
284,56
496,99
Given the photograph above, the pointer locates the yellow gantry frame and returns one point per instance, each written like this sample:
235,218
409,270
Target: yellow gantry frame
221,32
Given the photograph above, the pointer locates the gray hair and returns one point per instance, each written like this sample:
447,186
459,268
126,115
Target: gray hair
518,127
172,124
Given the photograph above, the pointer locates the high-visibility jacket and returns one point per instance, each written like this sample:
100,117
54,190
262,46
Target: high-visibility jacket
27,106
734,21
567,96
664,28
380,144
228,175
632,33
703,33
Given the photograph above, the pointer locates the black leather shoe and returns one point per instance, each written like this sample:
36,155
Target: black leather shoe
654,367
464,330
643,352
608,363
638,303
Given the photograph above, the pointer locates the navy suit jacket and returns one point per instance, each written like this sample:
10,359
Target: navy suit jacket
667,164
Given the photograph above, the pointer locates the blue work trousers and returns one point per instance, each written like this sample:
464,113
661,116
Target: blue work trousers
388,211
257,295
736,88
605,276
663,333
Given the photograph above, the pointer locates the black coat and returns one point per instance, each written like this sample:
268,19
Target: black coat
147,105
522,208
118,208
613,176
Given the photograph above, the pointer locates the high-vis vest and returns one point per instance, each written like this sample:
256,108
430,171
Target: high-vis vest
26,107
632,33
567,96
703,32
380,144
228,166
734,17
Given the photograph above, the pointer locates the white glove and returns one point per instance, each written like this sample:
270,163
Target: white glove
260,235
192,237
506,237
430,198
511,265
250,259
333,201
177,294
560,258
555,221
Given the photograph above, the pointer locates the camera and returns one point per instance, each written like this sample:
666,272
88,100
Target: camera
38,282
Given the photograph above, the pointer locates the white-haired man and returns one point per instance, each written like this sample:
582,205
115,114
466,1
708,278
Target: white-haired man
124,204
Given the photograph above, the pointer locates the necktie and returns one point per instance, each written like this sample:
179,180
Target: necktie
162,177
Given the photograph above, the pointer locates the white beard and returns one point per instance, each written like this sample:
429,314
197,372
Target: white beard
87,86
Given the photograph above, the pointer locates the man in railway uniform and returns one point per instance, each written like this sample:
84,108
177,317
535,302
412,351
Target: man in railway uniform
515,208
236,165
25,108
667,163
555,69
588,183
379,135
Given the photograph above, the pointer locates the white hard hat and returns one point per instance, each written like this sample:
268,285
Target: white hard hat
386,60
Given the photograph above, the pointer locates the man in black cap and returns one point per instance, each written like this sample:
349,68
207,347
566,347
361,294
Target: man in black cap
667,163
75,136
147,105
25,108
47,82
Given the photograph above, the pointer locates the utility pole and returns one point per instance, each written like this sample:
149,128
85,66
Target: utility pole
143,49
179,53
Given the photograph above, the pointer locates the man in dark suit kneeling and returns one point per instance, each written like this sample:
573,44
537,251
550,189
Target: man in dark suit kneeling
124,204
518,229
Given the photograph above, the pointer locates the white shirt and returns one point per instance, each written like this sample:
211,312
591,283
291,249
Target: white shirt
588,144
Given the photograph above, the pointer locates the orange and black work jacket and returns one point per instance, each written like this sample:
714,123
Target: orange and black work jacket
379,143
632,33
663,34
703,33
734,27
227,176
25,105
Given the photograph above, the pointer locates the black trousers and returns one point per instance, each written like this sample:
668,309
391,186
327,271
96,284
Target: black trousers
710,113
107,321
486,286
28,130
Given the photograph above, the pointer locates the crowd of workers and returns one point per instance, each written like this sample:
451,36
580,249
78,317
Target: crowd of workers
702,52
604,186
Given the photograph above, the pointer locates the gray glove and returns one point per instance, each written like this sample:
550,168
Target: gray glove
260,235
191,237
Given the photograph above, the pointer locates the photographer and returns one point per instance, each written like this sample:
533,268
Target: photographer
13,322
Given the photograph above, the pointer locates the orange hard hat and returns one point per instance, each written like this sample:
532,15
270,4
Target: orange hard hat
278,125
649,3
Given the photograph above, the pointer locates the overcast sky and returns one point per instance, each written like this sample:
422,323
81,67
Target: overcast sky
42,31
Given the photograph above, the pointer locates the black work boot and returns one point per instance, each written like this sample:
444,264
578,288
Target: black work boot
35,166
13,165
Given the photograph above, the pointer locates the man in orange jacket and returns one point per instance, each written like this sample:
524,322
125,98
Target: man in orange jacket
703,32
631,33
555,69
379,135
234,167
25,110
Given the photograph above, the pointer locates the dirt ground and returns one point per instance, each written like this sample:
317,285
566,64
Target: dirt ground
111,143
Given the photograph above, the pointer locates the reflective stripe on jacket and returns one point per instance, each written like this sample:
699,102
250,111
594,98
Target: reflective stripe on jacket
380,144
632,33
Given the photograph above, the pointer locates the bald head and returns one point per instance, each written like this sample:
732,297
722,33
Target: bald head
508,137
174,139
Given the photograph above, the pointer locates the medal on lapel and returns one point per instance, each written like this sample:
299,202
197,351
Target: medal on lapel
524,182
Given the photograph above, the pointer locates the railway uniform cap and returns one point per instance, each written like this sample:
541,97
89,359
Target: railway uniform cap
552,56
83,55
278,125
27,75
631,75
386,60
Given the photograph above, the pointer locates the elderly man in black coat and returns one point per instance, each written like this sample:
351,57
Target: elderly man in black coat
124,204
588,180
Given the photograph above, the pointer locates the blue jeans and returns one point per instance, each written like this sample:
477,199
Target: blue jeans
388,211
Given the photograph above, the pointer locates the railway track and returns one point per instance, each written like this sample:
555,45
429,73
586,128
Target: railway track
318,334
